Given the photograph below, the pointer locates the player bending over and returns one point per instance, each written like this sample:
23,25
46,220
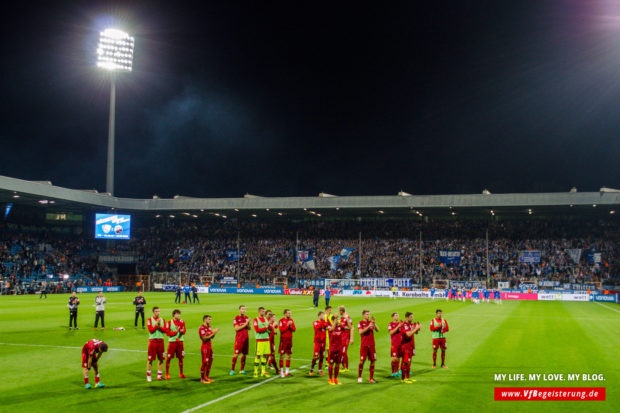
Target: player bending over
176,333
439,328
91,354
206,334
366,328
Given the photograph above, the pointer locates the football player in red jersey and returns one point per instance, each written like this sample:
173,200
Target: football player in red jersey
241,323
366,328
320,328
176,332
394,329
347,339
273,330
336,328
408,329
206,334
157,330
91,354
439,328
287,328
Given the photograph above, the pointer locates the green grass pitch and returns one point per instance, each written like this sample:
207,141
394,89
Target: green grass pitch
40,358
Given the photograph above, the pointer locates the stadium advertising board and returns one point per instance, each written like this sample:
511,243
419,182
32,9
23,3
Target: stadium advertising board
519,296
575,297
550,297
527,286
415,294
605,298
227,290
228,280
503,284
580,287
116,289
112,226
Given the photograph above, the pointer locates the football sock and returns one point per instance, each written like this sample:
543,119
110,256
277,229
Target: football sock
345,361
313,364
256,363
159,373
167,366
148,373
434,357
331,371
372,370
281,363
97,378
234,363
180,367
243,362
443,356
361,368
321,363
394,366
86,378
336,371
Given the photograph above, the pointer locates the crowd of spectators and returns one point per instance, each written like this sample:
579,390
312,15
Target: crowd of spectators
381,248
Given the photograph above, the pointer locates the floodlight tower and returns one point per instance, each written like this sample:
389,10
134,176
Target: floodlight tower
114,54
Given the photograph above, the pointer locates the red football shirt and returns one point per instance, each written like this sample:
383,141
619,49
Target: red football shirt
92,346
336,336
241,335
407,341
286,330
204,331
319,331
397,336
368,338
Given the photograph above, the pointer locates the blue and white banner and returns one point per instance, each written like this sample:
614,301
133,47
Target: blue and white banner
594,257
450,257
580,287
318,283
467,284
547,283
527,286
574,254
303,255
308,265
186,254
333,262
386,282
169,287
233,255
346,252
530,257
228,280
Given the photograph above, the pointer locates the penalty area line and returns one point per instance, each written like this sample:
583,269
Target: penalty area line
200,406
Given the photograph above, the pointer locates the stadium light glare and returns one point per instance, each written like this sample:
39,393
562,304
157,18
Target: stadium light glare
115,55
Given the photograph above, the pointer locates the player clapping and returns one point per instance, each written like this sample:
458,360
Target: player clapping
320,327
394,328
241,323
287,328
91,354
176,332
273,330
408,329
366,328
206,334
335,350
157,329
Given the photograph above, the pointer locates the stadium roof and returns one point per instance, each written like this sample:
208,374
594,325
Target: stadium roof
45,194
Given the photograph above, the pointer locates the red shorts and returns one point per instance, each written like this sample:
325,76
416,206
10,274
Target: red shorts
335,355
396,351
242,347
156,349
407,353
175,348
85,360
207,353
319,349
286,346
368,352
439,343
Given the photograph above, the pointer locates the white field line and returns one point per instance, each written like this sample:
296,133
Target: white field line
608,307
116,349
200,406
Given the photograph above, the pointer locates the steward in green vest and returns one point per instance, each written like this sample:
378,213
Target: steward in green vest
175,331
439,328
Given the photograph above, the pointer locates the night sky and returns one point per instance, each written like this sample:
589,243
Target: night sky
283,99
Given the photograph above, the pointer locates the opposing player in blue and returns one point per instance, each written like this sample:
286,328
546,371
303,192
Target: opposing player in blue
433,293
447,293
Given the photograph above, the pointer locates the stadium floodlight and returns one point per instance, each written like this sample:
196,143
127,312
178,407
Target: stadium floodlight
114,54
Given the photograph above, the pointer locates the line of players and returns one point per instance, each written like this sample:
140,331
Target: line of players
332,338
475,294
